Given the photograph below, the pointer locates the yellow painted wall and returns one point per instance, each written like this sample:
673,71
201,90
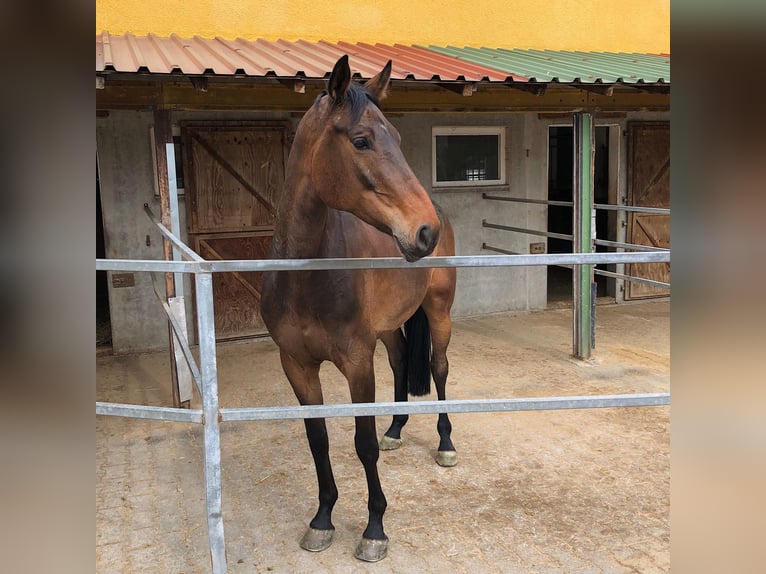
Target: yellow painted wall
599,25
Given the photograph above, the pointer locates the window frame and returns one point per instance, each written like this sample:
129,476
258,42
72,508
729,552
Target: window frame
470,131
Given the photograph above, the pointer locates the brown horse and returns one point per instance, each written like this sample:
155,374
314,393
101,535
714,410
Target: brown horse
349,192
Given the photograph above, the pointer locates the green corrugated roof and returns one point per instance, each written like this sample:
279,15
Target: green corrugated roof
565,67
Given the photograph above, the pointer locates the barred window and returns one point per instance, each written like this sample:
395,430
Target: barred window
468,156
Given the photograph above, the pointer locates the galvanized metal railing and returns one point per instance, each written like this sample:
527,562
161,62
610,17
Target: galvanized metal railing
570,237
205,374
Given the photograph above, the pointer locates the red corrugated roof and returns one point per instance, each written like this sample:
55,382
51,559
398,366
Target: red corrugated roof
282,58
412,62
314,60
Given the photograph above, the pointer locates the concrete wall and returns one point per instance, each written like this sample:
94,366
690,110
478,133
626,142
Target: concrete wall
125,163
126,176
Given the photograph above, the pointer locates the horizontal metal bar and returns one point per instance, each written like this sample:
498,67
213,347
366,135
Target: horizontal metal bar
632,278
182,337
527,231
633,208
527,200
604,206
147,412
507,252
147,265
382,262
185,250
435,262
632,246
455,406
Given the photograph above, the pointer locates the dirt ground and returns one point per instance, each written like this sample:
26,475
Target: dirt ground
561,491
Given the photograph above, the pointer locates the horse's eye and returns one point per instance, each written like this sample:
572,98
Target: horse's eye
361,143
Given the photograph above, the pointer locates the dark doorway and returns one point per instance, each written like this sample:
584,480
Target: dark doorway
103,321
560,188
601,195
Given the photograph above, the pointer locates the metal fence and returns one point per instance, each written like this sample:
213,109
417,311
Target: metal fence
205,376
205,372
570,237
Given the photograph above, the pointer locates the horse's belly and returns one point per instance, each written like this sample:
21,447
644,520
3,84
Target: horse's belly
396,295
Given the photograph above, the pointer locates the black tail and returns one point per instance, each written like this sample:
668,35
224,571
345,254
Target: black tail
418,337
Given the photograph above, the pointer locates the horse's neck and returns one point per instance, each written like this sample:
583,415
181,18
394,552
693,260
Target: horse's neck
301,221
302,217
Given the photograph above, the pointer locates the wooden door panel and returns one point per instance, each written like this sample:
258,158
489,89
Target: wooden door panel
236,296
653,230
648,186
236,173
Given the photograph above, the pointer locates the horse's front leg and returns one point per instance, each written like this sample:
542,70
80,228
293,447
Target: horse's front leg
361,379
305,382
396,346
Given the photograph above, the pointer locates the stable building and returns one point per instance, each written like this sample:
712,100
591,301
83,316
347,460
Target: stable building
490,132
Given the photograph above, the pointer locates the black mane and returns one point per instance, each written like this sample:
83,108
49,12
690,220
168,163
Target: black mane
356,97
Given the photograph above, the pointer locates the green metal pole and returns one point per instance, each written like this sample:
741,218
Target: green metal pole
583,226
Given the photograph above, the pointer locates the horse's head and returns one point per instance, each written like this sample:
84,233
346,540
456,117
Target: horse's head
357,165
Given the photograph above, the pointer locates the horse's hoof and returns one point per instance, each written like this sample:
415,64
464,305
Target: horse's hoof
371,550
316,540
446,457
388,443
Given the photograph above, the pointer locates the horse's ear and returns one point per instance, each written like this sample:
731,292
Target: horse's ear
339,79
378,85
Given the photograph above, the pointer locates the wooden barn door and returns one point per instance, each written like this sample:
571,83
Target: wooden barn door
648,186
235,175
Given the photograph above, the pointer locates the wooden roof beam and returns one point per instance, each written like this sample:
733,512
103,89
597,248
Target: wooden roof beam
530,88
297,85
608,89
461,88
199,83
600,89
651,88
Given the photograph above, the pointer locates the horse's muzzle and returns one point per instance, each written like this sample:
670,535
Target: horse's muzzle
424,243
426,238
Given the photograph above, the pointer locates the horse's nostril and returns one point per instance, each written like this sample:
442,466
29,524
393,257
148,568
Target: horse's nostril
425,238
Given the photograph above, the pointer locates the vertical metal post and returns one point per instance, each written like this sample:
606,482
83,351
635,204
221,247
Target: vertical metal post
175,222
583,225
183,378
162,135
212,430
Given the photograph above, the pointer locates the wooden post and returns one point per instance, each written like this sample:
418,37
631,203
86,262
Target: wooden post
163,135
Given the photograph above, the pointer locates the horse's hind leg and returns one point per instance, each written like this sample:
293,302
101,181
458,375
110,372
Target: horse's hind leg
440,336
305,382
397,358
437,305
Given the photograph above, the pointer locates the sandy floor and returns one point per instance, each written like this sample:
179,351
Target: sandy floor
564,491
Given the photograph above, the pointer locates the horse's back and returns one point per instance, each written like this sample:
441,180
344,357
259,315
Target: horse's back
446,245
